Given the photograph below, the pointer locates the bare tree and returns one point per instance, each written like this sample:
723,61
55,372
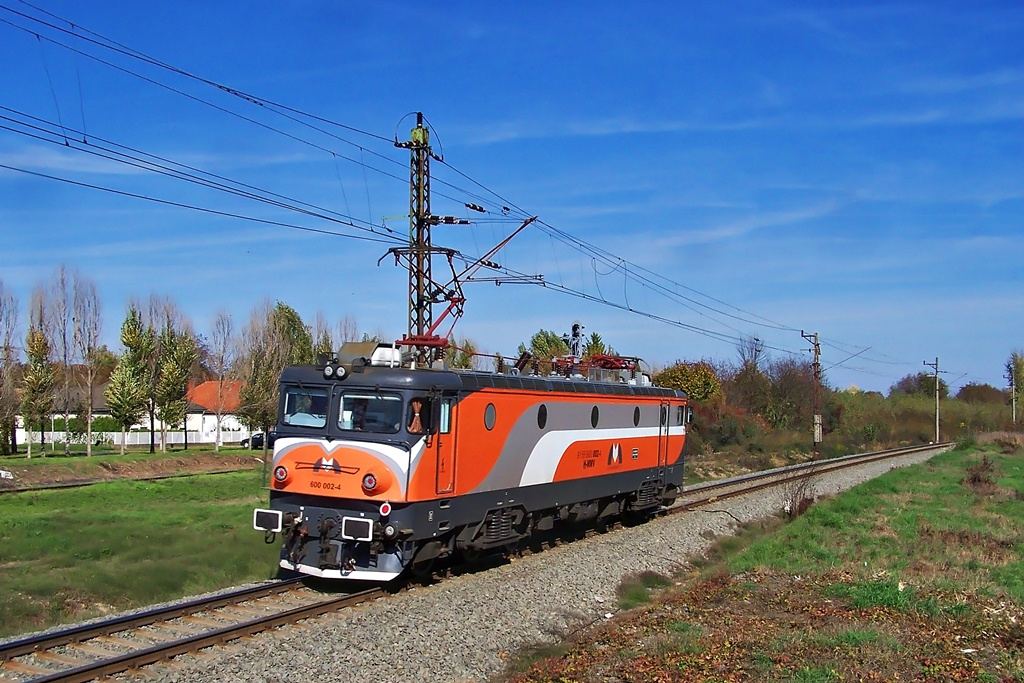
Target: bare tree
750,350
62,342
8,370
323,340
88,325
221,359
348,330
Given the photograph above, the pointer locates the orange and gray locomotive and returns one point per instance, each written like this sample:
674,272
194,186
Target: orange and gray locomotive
380,468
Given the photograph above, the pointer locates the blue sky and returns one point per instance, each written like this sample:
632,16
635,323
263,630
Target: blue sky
855,171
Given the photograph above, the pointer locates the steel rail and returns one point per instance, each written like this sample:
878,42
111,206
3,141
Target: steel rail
76,634
164,651
757,481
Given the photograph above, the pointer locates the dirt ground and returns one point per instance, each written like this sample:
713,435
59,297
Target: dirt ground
59,470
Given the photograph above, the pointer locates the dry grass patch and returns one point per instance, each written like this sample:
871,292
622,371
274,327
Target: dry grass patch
775,627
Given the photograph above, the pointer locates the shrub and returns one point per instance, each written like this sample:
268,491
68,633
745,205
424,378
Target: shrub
966,441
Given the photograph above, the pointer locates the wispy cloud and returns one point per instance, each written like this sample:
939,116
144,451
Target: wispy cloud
744,225
512,131
956,84
53,159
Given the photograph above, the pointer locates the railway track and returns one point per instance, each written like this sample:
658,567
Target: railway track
703,494
126,643
91,651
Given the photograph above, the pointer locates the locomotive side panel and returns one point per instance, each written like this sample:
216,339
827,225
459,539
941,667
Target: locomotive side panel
511,439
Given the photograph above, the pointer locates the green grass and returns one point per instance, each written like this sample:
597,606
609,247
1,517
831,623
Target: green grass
850,638
816,674
636,589
911,525
70,554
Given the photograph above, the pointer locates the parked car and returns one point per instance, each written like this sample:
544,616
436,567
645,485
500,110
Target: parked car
256,441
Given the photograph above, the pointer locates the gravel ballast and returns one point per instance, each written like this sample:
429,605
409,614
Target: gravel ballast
465,628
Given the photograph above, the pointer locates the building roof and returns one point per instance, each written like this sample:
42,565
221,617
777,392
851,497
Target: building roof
205,396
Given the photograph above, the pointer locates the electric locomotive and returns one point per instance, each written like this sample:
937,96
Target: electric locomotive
380,466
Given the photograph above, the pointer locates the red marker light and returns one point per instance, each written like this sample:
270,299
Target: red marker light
385,509
369,482
280,473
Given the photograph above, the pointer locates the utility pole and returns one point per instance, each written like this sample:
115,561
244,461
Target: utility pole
424,292
420,314
816,367
935,366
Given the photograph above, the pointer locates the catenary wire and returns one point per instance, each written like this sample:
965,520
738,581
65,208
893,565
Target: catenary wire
227,214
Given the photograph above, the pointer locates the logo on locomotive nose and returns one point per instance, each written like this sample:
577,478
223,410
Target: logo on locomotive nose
615,454
327,464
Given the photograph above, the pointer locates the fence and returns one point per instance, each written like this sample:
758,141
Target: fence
55,439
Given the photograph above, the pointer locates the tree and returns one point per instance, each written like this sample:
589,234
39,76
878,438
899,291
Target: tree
544,346
88,325
140,354
221,357
8,370
274,338
62,327
126,396
922,383
791,398
750,350
294,333
162,323
1015,377
595,346
177,356
37,390
323,341
461,356
698,380
749,388
975,392
348,330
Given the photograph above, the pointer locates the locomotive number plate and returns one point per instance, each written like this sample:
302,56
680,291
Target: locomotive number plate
356,529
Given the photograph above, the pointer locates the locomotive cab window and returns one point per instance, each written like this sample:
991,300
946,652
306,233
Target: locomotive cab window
680,415
444,422
420,415
365,411
304,406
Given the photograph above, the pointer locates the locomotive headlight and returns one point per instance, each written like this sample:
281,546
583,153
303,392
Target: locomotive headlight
329,372
280,473
369,482
390,531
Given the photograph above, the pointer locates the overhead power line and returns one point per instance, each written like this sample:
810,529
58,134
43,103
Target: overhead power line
503,210
37,129
227,214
